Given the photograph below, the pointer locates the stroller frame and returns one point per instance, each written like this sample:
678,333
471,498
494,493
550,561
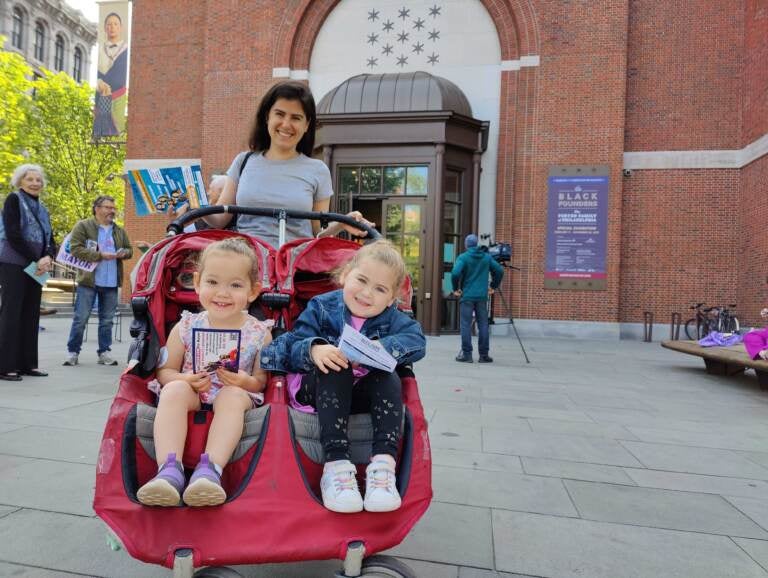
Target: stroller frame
354,563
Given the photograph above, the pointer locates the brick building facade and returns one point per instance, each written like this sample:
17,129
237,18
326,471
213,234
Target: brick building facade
672,97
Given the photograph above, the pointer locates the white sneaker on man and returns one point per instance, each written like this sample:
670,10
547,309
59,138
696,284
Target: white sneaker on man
381,493
339,487
71,359
105,359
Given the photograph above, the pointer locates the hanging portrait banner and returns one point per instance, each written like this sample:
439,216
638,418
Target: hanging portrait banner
577,227
112,80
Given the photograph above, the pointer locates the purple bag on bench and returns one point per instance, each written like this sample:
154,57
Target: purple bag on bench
715,339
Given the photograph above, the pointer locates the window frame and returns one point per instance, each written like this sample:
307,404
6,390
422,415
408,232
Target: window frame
17,28
40,40
58,58
77,64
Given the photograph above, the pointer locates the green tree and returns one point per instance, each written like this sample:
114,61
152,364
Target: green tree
77,170
15,107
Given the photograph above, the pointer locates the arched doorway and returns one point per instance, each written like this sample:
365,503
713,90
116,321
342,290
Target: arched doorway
405,150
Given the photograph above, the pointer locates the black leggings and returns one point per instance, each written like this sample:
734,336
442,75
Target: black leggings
335,397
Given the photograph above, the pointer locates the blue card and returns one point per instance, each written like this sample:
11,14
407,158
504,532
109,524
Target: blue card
32,268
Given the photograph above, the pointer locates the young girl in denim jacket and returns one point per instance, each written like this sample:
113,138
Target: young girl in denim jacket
335,388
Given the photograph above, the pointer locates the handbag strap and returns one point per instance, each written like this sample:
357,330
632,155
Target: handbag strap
245,162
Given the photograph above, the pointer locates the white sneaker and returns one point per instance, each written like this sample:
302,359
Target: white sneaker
71,359
339,487
105,359
381,493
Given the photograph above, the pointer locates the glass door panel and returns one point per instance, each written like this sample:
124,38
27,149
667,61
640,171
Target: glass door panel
403,226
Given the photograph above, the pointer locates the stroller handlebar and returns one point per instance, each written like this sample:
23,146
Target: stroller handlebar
177,226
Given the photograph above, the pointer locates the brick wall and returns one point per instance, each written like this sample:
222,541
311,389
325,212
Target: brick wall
753,254
680,241
684,75
615,75
755,71
570,110
753,241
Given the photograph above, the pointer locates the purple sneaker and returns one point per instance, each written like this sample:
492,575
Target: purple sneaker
165,488
204,487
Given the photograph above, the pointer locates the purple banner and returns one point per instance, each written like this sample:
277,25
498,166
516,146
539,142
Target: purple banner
577,220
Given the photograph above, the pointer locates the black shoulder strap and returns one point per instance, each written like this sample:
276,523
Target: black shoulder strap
245,162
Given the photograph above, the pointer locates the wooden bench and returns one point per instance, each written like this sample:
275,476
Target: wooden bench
723,360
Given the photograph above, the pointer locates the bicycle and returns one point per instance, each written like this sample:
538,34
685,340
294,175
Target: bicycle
725,321
710,319
700,324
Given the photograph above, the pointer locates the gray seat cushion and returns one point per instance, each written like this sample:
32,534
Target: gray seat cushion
254,422
306,429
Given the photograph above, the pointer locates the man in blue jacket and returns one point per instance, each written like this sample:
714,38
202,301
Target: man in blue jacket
470,282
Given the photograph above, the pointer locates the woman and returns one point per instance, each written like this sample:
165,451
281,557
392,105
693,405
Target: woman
279,171
28,239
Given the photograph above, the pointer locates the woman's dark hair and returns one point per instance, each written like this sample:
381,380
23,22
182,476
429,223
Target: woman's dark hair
289,90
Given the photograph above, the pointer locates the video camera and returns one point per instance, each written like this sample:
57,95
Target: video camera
499,252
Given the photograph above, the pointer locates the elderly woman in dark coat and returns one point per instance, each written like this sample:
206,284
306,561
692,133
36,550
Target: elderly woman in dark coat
27,238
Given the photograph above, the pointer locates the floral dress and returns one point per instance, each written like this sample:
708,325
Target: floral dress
252,335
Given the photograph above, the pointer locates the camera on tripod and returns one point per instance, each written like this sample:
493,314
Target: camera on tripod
500,252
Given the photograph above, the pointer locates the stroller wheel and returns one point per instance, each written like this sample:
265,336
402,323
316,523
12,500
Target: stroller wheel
217,572
386,567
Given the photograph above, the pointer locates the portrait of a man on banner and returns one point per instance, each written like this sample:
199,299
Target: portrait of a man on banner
111,89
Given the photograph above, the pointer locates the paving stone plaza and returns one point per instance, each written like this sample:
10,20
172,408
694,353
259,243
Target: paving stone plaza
597,460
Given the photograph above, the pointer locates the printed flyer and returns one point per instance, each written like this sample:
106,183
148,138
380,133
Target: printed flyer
215,348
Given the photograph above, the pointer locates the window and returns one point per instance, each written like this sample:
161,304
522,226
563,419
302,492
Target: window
452,244
40,41
58,61
77,68
17,35
369,181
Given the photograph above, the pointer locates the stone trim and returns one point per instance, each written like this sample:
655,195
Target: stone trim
712,159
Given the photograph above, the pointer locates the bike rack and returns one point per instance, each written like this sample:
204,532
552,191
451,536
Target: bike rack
674,328
647,326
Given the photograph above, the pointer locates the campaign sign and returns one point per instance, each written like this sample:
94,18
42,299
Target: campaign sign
65,257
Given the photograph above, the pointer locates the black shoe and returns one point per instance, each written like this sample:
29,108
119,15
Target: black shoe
34,372
485,359
464,358
48,311
10,377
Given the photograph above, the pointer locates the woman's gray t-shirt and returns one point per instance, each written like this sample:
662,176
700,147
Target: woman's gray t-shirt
294,184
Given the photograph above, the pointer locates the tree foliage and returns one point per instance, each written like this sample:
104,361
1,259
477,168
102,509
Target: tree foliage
15,106
77,170
48,120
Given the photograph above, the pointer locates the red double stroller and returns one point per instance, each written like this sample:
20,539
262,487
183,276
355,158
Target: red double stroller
273,512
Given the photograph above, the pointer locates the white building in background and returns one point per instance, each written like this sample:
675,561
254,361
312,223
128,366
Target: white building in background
49,34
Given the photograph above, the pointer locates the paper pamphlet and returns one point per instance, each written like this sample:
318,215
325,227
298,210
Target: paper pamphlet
160,190
214,348
359,349
32,268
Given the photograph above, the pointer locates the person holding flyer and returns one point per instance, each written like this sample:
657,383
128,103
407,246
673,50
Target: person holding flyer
26,256
324,376
226,282
102,241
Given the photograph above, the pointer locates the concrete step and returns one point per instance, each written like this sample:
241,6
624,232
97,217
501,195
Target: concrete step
67,310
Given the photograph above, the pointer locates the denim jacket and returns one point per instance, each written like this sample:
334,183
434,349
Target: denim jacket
323,321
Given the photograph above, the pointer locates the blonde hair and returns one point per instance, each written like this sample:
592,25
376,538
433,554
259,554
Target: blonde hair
383,252
236,245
